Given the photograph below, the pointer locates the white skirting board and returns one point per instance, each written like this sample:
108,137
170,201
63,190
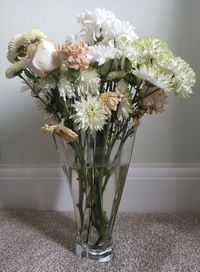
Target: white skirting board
148,188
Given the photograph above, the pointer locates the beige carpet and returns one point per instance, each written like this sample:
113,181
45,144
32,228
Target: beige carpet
32,241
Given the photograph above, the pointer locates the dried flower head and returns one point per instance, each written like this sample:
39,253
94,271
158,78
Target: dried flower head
73,54
136,118
154,99
110,100
67,134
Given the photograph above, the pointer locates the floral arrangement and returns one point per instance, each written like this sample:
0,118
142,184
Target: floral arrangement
104,74
91,91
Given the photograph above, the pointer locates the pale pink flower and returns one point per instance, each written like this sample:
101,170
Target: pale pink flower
73,54
42,58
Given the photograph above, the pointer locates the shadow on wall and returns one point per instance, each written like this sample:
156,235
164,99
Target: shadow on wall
23,142
25,181
187,36
187,43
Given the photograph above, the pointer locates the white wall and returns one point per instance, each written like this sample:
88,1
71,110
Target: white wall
172,137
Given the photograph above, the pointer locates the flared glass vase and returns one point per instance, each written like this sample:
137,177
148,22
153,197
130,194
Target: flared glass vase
96,167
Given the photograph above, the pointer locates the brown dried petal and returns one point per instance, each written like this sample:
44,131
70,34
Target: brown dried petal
67,134
111,99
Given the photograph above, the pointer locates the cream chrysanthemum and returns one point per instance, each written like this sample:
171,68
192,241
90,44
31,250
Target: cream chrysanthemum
65,88
125,106
88,83
15,69
17,47
89,114
36,35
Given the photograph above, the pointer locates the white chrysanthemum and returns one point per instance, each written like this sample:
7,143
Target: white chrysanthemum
43,87
125,106
183,77
125,48
101,25
65,88
101,54
123,29
89,114
88,82
95,25
155,76
15,69
43,115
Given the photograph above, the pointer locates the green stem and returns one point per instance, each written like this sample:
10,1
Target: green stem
37,96
66,108
116,156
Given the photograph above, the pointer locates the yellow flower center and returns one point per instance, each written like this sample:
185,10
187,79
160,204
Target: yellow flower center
90,111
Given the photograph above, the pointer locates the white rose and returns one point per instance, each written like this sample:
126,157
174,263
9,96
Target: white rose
42,58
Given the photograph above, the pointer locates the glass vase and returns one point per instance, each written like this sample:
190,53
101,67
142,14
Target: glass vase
96,167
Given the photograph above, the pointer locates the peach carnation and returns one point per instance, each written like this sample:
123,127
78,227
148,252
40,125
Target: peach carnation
73,54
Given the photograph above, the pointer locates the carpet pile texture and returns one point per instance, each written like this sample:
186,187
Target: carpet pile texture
40,241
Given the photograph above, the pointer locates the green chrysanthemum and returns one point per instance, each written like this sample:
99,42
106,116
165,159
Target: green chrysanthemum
152,49
116,75
145,51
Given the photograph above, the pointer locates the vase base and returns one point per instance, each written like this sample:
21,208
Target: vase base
100,254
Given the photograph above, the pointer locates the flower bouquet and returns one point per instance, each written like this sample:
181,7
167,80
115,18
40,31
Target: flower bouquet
91,92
